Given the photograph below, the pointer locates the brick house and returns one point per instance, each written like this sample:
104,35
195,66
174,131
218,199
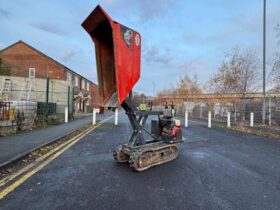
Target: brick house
27,62
85,93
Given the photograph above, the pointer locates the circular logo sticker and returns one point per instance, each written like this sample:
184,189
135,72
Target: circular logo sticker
137,40
128,37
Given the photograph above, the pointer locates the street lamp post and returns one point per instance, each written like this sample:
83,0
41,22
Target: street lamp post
264,51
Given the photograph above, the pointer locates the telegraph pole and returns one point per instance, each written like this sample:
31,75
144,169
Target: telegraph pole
264,51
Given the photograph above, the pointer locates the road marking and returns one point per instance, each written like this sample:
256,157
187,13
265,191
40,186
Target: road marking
21,180
21,171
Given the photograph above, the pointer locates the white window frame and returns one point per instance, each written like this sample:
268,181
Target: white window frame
31,72
69,76
76,81
83,84
88,86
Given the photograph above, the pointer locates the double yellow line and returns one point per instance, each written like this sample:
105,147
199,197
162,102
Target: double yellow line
40,163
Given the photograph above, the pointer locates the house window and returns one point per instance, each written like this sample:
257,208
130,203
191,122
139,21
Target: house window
69,76
83,84
31,72
88,86
76,81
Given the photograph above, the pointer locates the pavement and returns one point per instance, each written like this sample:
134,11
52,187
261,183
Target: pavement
15,146
216,169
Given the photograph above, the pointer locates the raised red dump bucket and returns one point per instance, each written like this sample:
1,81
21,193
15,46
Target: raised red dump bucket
118,51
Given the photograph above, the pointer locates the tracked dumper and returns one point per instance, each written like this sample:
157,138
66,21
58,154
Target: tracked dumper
118,53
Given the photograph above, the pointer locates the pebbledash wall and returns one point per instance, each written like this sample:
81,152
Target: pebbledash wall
29,64
58,91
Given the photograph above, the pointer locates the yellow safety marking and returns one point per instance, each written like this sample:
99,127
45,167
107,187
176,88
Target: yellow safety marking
13,176
21,171
13,186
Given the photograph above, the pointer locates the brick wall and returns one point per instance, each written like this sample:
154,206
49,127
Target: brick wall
95,101
21,57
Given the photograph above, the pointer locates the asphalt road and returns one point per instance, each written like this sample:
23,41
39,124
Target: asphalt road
20,144
216,169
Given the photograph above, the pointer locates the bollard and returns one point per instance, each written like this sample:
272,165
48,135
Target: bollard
66,115
235,114
200,111
228,119
269,111
209,119
93,116
186,119
116,116
251,119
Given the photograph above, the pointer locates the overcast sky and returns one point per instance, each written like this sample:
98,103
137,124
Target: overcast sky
178,37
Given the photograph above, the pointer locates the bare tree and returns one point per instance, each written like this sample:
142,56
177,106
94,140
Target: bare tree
184,88
238,74
160,95
188,86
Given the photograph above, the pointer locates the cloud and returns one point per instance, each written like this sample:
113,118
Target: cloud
153,9
144,10
68,54
239,25
230,30
4,13
188,65
250,23
49,27
191,38
154,54
171,63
